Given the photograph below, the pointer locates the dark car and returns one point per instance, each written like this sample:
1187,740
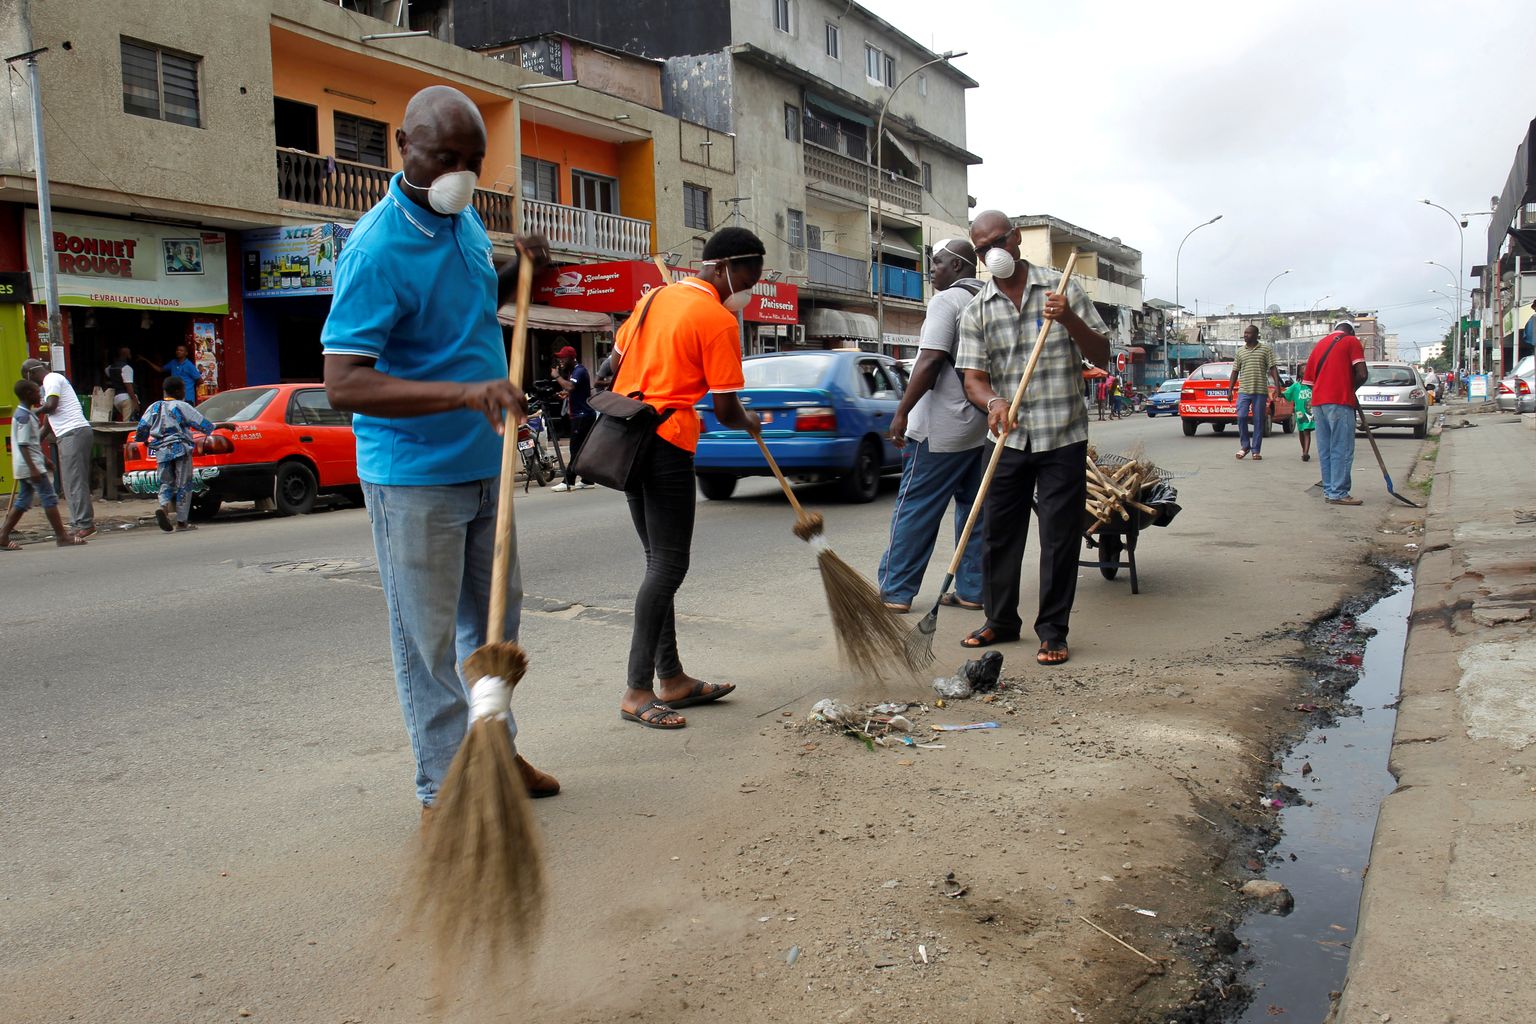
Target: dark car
826,416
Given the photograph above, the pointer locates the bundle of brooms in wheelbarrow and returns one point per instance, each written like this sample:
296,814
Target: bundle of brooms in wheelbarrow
1121,487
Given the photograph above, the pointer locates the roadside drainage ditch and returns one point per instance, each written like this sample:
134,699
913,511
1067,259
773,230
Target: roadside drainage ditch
1329,787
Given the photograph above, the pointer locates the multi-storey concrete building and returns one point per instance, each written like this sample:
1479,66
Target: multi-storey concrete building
203,180
1291,333
793,91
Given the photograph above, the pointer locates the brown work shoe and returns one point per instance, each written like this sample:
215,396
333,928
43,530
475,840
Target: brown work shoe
426,816
539,784
1348,499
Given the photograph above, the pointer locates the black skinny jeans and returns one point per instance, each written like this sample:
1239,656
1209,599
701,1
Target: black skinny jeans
662,503
581,426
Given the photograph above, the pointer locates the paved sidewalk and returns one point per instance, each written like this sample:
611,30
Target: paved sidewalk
1448,916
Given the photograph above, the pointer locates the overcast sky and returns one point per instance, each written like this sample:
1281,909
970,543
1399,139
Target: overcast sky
1314,128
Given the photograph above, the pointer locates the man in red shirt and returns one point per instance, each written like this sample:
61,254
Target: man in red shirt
1335,369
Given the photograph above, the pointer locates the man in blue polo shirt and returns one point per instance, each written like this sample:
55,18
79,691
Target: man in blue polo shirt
413,348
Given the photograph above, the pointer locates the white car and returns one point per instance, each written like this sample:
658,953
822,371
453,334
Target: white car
1517,392
1393,395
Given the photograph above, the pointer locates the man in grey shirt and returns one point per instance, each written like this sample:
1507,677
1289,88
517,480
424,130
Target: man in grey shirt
940,434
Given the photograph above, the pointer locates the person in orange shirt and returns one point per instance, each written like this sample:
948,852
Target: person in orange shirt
688,346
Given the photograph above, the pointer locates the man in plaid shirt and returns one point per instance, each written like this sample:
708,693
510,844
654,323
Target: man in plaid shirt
1045,449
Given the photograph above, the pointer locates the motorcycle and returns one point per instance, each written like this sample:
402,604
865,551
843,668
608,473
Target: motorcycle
536,441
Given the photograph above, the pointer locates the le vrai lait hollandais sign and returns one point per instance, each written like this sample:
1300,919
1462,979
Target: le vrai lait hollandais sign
104,261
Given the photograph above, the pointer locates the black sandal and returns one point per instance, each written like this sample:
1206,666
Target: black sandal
652,715
1052,647
703,693
986,636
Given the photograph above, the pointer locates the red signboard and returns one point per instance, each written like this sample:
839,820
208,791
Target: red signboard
619,287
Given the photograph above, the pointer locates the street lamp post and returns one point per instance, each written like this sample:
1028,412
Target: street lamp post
877,283
1264,306
1461,265
1178,307
1319,299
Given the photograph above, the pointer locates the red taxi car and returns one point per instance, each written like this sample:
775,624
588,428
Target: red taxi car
289,446
1207,397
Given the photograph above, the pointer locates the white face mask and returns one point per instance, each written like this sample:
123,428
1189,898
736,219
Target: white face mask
450,192
734,300
1000,262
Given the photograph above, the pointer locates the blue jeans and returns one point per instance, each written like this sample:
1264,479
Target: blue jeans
1335,446
434,545
1250,421
929,479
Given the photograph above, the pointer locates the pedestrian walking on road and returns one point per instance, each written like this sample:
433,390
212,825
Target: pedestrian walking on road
1335,369
73,439
1253,368
1299,394
1116,397
683,344
168,425
1102,395
1044,461
31,471
416,290
576,385
940,434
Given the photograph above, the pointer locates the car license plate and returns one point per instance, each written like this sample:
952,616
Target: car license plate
1219,393
525,446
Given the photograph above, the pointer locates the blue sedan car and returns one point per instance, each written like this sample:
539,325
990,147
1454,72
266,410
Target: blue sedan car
826,416
1165,400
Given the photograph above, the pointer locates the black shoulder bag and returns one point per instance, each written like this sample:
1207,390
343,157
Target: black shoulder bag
624,428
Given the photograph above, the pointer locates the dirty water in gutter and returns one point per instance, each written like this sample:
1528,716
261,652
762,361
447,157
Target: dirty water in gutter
1331,784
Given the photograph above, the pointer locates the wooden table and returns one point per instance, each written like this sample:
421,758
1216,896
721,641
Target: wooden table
112,437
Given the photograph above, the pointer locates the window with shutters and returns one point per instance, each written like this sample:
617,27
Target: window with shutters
540,180
695,207
890,71
813,237
362,141
797,229
834,41
783,15
872,68
927,176
161,84
791,122
594,192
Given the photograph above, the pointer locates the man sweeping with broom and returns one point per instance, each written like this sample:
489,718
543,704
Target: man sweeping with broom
1045,451
413,347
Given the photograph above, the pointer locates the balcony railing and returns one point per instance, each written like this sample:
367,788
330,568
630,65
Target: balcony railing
356,188
834,271
900,282
573,229
845,174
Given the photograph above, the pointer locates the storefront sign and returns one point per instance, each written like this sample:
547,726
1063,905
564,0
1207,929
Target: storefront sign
618,288
292,260
15,286
101,261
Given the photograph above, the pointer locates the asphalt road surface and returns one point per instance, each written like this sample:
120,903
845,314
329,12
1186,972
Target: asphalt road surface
207,792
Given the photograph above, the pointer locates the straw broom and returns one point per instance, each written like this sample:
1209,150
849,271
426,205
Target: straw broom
480,880
868,635
919,642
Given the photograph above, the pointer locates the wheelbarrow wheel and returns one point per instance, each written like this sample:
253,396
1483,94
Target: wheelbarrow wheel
1110,546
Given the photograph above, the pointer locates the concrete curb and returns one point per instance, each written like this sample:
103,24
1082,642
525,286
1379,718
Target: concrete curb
1448,913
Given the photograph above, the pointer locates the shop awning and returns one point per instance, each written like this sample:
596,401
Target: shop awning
841,111
895,244
836,323
902,148
1138,353
553,318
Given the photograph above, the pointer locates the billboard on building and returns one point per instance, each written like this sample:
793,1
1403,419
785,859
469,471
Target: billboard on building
292,260
105,261
618,287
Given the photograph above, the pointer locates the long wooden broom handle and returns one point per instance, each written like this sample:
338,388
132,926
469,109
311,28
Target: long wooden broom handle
501,561
1013,414
788,493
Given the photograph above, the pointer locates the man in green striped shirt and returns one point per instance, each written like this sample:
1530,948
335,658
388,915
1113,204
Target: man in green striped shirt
1252,369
